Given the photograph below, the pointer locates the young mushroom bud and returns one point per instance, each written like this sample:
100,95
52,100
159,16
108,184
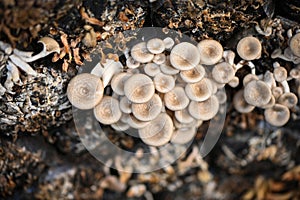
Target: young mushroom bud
164,83
249,48
278,115
193,75
257,93
108,111
295,44
240,104
223,72
211,51
117,82
176,99
140,53
204,110
156,46
199,91
85,91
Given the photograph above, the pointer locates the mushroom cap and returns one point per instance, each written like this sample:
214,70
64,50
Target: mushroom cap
234,82
199,91
257,93
50,45
133,122
295,73
223,72
288,99
295,44
277,92
240,104
184,56
132,63
120,126
149,110
204,110
125,105
159,58
169,42
221,96
155,46
248,78
117,82
270,104
183,116
151,69
193,75
164,83
280,74
166,68
111,68
249,48
85,91
158,132
278,115
140,53
176,99
108,110
211,51
183,135
139,88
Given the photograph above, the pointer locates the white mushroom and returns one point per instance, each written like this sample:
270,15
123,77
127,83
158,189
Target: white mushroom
176,99
149,110
156,46
223,72
204,110
108,110
169,43
240,104
183,135
211,51
164,83
199,91
257,93
140,53
249,48
278,115
125,105
117,82
151,69
193,75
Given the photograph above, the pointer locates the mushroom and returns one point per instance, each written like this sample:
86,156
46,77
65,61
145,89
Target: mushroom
223,72
85,91
257,93
120,126
249,48
149,110
183,135
169,42
270,104
159,58
229,56
277,92
139,88
248,78
234,82
221,96
156,46
131,63
288,99
176,99
164,83
184,56
294,44
199,91
140,53
135,123
151,69
211,51
280,74
193,75
22,65
240,104
269,79
183,116
117,82
278,115
204,110
108,110
125,105
168,69
158,132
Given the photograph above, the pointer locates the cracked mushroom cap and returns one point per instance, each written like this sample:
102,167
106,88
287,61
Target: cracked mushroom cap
85,91
156,46
199,91
295,44
223,72
176,99
108,110
278,115
204,110
140,53
164,83
280,74
151,69
249,48
211,51
158,132
288,99
193,75
50,45
183,135
184,56
117,82
149,110
139,88
257,93
240,104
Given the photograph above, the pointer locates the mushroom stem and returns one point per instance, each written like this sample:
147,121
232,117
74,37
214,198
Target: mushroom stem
22,65
289,33
14,72
242,63
285,86
266,32
23,54
229,56
6,48
278,54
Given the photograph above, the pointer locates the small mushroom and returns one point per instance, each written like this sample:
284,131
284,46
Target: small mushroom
117,82
288,99
131,63
85,91
22,65
169,42
183,116
270,104
280,73
221,96
176,99
149,110
159,58
204,110
229,56
278,115
295,44
158,132
139,88
140,53
125,105
193,75
120,126
277,92
108,111
248,78
133,122
156,46
151,69
164,83
234,82
184,56
183,135
240,104
223,72
199,91
257,93
166,68
249,48
269,79
211,51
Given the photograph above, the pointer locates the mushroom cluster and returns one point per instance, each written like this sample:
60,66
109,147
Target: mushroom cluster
165,91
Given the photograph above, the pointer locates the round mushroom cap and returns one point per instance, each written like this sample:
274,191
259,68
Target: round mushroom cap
158,132
280,74
204,110
183,135
133,122
295,44
184,56
223,72
221,96
211,51
248,78
131,63
50,45
288,99
108,110
140,53
139,88
295,73
156,46
166,68
125,105
249,48
151,69
85,91
183,116
278,115
164,83
149,110
240,104
193,75
120,126
234,82
277,92
176,99
159,58
257,93
199,91
117,83
169,42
